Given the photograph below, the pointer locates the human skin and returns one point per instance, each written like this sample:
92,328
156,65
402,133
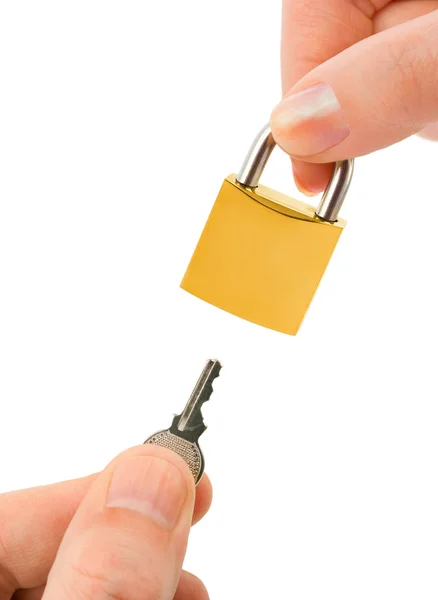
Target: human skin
121,533
357,76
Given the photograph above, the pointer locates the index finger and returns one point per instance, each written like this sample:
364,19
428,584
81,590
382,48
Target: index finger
313,32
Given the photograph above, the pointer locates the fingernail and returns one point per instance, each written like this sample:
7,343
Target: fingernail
309,122
151,486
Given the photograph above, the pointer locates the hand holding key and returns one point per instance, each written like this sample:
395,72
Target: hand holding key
118,534
92,537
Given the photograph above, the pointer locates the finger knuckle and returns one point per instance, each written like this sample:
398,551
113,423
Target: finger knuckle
401,69
103,571
86,583
411,68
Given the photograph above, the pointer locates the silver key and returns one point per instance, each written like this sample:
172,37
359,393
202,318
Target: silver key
182,436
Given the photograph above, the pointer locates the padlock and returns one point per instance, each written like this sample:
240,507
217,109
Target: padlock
262,254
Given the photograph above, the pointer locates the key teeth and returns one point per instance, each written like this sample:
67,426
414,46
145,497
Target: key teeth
216,367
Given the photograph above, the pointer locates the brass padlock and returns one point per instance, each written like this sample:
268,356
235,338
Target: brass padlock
262,254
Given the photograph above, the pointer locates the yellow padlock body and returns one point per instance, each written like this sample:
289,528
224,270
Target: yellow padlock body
261,256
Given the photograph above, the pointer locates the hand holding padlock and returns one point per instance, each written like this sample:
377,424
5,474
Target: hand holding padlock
262,254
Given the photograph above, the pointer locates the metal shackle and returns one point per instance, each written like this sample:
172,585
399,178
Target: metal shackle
334,194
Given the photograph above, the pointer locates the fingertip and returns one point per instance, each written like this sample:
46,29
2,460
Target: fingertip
203,492
191,587
311,179
204,496
152,486
302,188
430,132
153,450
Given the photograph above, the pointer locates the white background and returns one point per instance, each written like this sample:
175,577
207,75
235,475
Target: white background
118,122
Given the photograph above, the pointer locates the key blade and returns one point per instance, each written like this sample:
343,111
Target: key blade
191,416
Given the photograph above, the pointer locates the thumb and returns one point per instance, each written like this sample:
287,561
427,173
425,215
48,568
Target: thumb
377,92
129,535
